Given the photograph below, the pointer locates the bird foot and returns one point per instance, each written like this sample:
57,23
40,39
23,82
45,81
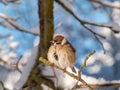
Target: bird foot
64,69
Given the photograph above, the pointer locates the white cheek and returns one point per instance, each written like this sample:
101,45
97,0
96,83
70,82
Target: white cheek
51,55
54,44
63,41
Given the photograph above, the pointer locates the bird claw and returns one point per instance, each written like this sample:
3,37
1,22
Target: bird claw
52,64
64,69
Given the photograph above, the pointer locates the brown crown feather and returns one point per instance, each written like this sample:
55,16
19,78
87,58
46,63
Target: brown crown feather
58,38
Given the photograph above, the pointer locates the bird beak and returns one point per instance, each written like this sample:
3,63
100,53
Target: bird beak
52,41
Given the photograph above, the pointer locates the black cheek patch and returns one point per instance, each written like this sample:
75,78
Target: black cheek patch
55,56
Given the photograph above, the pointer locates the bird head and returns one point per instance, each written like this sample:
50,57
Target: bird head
59,40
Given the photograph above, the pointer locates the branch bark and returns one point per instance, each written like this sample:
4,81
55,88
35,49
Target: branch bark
45,12
107,3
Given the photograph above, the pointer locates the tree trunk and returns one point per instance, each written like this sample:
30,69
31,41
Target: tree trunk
45,11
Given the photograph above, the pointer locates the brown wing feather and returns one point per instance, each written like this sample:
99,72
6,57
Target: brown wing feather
72,47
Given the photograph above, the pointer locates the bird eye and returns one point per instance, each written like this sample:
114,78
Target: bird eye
52,42
57,42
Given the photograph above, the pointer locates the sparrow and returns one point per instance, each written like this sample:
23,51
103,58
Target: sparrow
62,53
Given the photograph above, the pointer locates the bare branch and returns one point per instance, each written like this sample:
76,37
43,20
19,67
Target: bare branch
94,32
82,22
12,23
11,66
5,2
100,43
84,85
3,61
68,73
4,36
83,65
16,65
85,61
107,3
100,85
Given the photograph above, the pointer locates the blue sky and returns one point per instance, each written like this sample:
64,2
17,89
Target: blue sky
27,16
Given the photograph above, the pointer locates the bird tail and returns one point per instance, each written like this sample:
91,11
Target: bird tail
73,69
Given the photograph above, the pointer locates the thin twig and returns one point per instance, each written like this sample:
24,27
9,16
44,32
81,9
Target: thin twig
85,62
100,85
84,21
3,61
94,32
100,43
18,64
12,23
68,73
107,3
4,36
13,65
5,2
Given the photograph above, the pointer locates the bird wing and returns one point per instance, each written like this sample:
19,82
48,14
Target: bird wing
55,56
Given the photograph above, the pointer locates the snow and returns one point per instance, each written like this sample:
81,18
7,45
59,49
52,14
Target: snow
13,45
12,78
101,68
26,68
45,87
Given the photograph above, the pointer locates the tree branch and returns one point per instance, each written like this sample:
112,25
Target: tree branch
85,61
82,22
100,43
95,33
12,23
11,66
4,36
100,85
107,3
45,11
68,73
84,84
5,2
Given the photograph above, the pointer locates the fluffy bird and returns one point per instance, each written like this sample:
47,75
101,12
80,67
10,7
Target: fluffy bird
62,53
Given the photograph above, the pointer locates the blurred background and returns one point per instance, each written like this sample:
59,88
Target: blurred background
19,16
